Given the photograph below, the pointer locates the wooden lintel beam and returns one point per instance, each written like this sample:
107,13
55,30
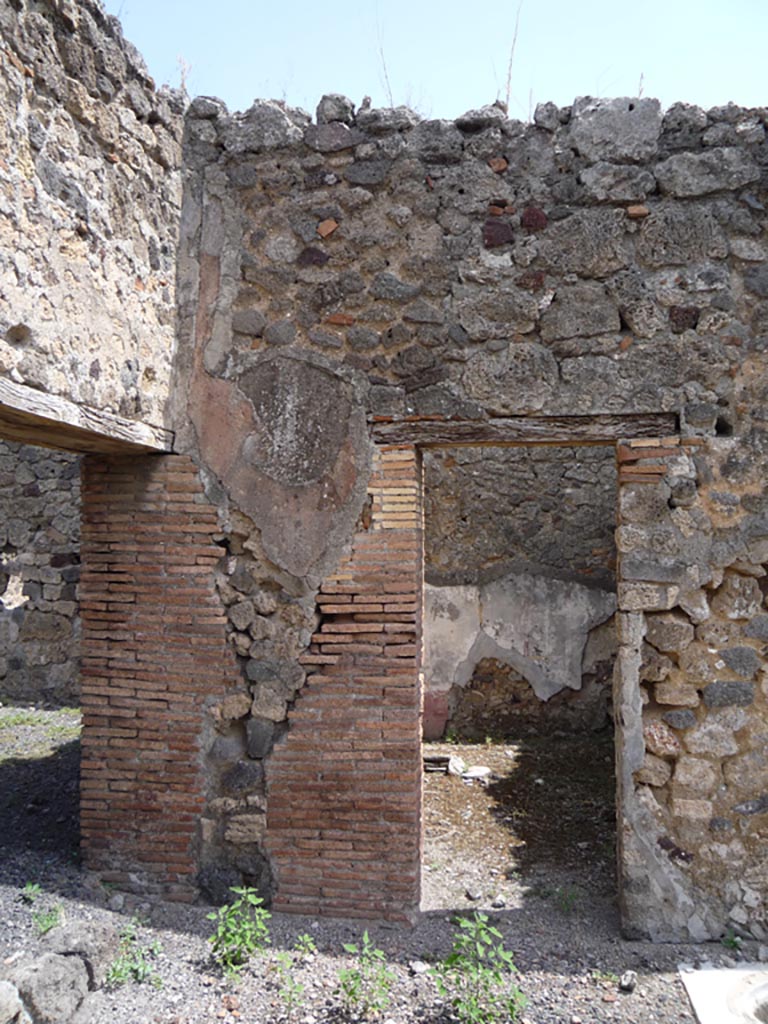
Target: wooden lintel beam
524,430
35,417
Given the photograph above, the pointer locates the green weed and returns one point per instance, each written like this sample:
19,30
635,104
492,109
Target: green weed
364,987
46,918
305,945
30,892
241,929
602,977
567,898
133,961
24,716
291,989
476,975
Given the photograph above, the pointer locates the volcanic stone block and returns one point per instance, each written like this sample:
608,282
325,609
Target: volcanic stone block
727,693
620,130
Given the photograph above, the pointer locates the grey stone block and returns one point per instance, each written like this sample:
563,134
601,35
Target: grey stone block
260,737
335,107
10,1004
726,692
622,130
744,661
332,138
714,170
52,986
758,805
369,172
94,942
245,776
682,718
757,629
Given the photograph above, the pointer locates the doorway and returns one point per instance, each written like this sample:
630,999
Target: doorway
519,643
39,651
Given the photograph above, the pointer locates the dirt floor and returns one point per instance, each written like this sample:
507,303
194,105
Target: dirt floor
542,823
539,824
531,841
40,780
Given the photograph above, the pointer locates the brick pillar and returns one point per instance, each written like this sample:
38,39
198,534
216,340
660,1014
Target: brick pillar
344,786
154,648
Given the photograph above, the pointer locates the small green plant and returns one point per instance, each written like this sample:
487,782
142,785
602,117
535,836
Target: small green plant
364,987
133,961
241,929
24,716
291,989
30,892
476,975
46,918
305,945
603,977
731,940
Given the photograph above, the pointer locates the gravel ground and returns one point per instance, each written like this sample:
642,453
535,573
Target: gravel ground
530,838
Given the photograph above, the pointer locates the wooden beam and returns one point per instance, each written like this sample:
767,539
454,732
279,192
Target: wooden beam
34,417
524,430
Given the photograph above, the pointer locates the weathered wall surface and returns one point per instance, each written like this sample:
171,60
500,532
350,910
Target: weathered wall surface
692,690
542,511
89,196
537,626
39,573
604,261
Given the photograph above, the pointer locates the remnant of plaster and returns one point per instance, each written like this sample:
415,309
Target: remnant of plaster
537,625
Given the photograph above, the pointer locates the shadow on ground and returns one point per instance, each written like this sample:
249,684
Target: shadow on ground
39,803
39,790
541,825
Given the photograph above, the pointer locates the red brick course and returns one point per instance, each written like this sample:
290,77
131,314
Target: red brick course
154,649
344,785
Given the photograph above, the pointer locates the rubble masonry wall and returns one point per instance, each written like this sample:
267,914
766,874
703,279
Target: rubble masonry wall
373,269
338,279
90,189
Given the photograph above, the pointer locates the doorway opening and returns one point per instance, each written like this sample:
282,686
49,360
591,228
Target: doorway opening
519,645
39,650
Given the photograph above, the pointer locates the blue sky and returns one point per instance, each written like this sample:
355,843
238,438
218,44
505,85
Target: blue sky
443,57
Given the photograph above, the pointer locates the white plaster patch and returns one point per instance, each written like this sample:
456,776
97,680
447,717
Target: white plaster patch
537,625
451,624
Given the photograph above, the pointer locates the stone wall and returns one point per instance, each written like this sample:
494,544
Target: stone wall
692,691
543,511
371,274
39,573
605,259
89,197
364,284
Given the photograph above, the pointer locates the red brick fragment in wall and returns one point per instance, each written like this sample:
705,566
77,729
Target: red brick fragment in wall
436,713
154,647
344,812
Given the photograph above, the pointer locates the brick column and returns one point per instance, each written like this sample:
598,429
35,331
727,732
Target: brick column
154,647
344,786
